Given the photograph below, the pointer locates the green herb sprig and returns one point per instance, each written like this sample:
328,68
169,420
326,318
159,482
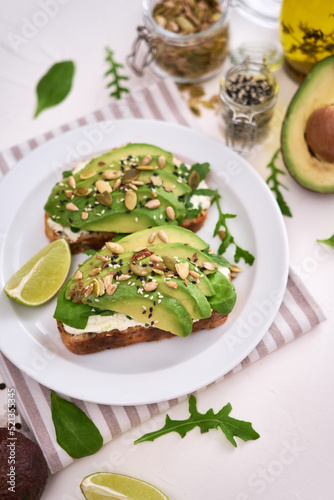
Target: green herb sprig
275,184
117,78
54,86
329,241
206,421
75,432
226,236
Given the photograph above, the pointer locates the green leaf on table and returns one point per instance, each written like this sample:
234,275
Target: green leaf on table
114,71
275,184
54,86
206,421
329,241
75,432
226,236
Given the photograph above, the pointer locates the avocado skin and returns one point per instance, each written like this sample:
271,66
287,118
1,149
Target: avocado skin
310,172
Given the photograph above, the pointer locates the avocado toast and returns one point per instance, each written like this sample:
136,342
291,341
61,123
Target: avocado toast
128,189
151,285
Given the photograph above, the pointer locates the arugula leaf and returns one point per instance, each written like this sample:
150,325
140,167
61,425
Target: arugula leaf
75,432
209,420
192,213
67,173
54,86
275,184
329,241
202,168
227,238
117,78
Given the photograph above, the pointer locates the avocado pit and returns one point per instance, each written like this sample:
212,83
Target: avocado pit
319,133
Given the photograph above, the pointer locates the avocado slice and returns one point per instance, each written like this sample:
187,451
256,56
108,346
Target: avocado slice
175,234
315,93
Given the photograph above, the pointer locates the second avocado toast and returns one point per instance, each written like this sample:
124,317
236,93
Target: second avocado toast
154,284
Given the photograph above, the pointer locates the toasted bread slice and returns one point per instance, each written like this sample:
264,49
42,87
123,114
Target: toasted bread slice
88,343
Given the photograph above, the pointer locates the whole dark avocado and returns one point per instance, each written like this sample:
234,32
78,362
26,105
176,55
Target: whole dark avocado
23,469
307,138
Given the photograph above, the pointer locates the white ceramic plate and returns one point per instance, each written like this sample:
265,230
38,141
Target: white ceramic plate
155,371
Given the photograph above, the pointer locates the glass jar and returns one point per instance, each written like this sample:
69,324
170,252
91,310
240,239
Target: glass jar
248,93
306,33
190,58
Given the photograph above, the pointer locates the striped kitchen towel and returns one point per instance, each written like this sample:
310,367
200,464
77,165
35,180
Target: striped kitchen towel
299,311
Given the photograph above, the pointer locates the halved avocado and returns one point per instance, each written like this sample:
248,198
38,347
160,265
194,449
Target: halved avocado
304,164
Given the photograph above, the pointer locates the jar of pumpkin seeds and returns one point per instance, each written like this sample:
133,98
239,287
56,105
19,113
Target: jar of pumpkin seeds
186,39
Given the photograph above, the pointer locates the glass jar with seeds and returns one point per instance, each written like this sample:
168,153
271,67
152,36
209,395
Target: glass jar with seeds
186,39
248,93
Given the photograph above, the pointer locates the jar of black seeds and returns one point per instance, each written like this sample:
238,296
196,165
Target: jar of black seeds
186,39
248,93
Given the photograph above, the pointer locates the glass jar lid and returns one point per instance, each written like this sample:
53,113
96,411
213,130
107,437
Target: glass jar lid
263,12
258,52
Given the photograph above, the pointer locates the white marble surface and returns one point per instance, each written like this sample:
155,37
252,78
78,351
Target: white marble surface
288,396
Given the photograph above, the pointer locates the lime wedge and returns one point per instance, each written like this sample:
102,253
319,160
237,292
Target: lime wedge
104,485
42,276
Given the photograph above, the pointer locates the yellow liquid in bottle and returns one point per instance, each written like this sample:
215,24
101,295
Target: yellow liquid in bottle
306,33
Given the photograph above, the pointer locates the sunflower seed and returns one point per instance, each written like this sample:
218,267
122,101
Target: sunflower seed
111,289
68,193
89,290
156,258
102,186
194,274
154,193
161,161
78,275
182,270
107,280
147,167
146,160
111,174
152,237
172,284
210,265
152,204
150,286
138,183
84,215
104,258
163,236
71,181
114,247
170,213
95,271
71,207
130,200
123,277
133,186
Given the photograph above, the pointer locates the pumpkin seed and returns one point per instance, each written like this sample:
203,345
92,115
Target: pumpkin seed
104,198
139,270
102,186
161,20
98,287
182,270
130,200
194,179
185,25
196,91
222,234
111,174
82,191
235,269
170,263
158,271
130,175
114,247
87,173
152,204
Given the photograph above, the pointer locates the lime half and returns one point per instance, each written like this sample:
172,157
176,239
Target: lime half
104,485
42,276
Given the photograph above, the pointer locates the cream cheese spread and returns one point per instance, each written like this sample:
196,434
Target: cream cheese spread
98,324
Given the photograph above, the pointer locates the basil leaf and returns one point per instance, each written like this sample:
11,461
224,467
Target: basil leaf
75,432
54,86
329,241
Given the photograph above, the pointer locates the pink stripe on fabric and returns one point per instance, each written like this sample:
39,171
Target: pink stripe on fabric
17,152
153,408
171,103
277,335
34,415
49,135
132,413
152,104
82,121
245,362
3,165
32,143
302,302
290,320
116,110
262,349
65,128
133,107
99,116
110,419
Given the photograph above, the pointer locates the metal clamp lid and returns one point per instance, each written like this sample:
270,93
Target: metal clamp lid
143,36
